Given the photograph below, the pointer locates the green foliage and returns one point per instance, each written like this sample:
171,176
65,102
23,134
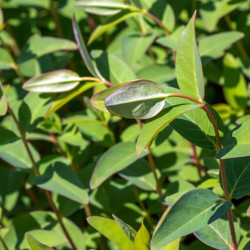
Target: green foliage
69,158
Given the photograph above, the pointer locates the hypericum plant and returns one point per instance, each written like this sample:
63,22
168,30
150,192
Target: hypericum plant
188,166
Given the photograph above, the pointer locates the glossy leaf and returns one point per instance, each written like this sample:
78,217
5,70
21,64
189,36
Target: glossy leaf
159,122
64,98
59,178
188,63
35,244
137,100
115,159
101,29
214,46
38,46
98,100
237,143
112,68
217,234
194,210
111,230
237,173
234,88
53,82
142,239
83,49
3,100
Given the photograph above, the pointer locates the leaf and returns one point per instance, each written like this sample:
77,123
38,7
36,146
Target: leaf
234,88
214,46
115,159
142,239
237,173
6,61
237,143
64,98
101,29
53,82
159,122
83,50
174,245
140,175
138,100
3,100
220,9
38,46
59,178
112,68
217,234
194,210
111,230
98,100
188,63
35,244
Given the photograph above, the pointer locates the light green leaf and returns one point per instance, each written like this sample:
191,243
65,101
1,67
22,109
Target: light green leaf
59,178
220,9
142,239
83,50
112,68
35,244
174,245
101,29
188,63
138,100
32,3
237,173
194,210
64,98
39,46
111,230
234,88
214,46
3,100
6,61
237,143
53,82
115,159
217,234
159,122
98,100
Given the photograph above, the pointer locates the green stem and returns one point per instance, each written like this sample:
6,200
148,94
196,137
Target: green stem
55,19
37,173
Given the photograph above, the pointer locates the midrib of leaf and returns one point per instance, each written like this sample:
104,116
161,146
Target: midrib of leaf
187,222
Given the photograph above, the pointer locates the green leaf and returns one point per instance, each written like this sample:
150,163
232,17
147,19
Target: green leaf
142,239
219,9
115,159
237,143
194,210
214,46
64,98
159,122
237,173
59,178
35,244
101,29
234,88
138,100
112,68
140,175
111,230
3,100
174,245
39,46
83,50
53,82
217,234
188,63
6,61
98,100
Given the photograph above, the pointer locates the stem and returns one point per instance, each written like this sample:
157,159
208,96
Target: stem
37,173
56,19
223,175
238,43
3,243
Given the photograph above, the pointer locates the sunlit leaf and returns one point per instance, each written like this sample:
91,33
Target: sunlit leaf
3,100
35,244
142,239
